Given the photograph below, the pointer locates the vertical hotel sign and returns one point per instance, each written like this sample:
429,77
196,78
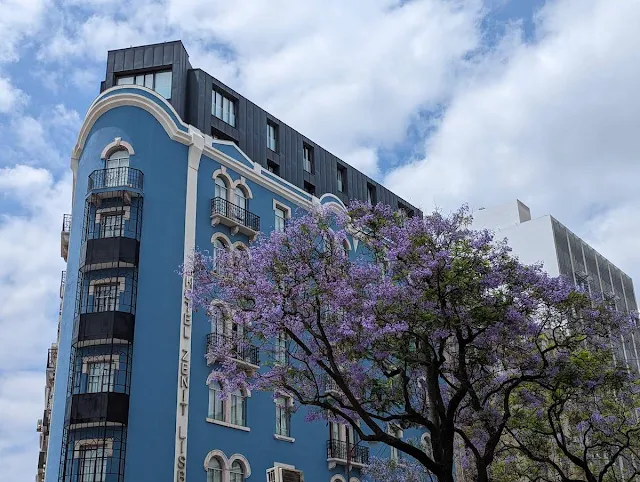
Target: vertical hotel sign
183,381
196,147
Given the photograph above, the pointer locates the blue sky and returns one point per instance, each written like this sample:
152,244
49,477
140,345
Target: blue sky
445,101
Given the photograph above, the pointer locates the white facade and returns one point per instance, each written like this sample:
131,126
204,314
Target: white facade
545,239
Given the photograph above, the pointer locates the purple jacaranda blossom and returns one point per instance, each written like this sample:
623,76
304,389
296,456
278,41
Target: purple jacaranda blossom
427,325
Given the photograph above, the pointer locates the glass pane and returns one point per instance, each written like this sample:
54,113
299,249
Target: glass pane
225,109
218,103
163,84
124,81
232,113
139,79
148,81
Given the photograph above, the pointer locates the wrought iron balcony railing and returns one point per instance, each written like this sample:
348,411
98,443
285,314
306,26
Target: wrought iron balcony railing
234,216
344,451
116,177
241,349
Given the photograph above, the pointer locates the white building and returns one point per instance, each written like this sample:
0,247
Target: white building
544,239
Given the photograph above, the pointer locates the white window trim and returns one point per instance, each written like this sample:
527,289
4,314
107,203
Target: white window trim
226,463
290,403
120,280
114,359
227,412
125,211
107,443
117,144
228,424
283,207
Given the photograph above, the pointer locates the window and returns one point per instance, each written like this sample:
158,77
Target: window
371,194
216,404
273,167
111,225
272,136
158,81
342,179
241,198
92,464
281,351
309,188
283,417
105,297
396,432
219,249
117,173
281,219
217,321
100,377
307,158
221,188
238,409
224,108
237,472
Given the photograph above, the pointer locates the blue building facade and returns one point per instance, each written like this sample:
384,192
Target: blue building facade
130,400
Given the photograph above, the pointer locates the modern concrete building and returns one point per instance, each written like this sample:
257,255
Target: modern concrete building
544,239
169,159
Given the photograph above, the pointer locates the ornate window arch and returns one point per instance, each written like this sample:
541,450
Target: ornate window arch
239,468
216,465
116,145
338,478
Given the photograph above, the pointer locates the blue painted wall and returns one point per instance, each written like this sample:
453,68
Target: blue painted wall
153,392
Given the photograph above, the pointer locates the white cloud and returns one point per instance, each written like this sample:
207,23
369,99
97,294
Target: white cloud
11,97
349,75
30,267
556,125
19,20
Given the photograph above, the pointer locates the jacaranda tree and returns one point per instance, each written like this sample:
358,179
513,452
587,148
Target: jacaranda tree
377,320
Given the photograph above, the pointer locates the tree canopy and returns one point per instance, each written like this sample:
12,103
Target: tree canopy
376,319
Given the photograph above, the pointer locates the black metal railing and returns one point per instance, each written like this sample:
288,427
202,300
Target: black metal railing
232,211
63,280
116,177
241,349
353,453
66,223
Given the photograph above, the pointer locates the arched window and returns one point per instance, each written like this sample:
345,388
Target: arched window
214,470
219,248
217,321
221,188
241,198
238,410
119,158
216,404
117,173
237,472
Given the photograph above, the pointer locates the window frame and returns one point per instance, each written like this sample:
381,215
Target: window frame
143,76
307,158
224,107
100,454
113,299
272,141
341,179
108,373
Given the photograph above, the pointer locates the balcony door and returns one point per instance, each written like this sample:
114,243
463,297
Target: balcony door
116,174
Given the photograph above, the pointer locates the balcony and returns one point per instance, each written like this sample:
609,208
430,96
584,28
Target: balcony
244,353
343,453
52,356
64,236
238,219
116,177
